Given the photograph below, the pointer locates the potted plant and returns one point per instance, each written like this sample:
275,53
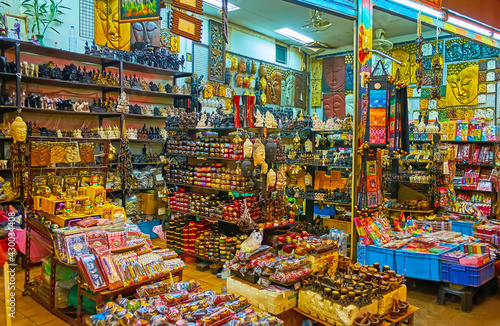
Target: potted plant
44,14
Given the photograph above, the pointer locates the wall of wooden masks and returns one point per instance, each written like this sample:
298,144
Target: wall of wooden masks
467,85
270,84
332,85
464,88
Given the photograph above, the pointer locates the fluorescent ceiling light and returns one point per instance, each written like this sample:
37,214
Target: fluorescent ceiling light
218,4
422,8
294,35
496,36
463,24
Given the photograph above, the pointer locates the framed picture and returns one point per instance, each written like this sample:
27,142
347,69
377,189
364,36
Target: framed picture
195,6
186,26
132,10
17,27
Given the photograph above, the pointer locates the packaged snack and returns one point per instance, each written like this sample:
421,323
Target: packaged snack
185,286
151,290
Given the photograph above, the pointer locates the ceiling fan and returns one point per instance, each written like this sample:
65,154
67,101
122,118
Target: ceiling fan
380,42
316,23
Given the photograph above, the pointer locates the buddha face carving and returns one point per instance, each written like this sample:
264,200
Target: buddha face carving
262,70
257,178
308,146
147,32
72,154
271,151
242,66
19,129
247,148
273,90
246,168
107,28
308,179
462,88
334,73
407,68
334,105
288,92
271,178
259,152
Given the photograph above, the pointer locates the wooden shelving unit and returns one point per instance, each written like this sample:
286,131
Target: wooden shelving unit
23,82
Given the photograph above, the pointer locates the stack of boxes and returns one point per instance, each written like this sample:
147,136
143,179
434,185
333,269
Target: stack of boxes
469,130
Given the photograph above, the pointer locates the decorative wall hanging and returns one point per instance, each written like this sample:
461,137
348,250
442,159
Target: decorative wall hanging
288,89
195,6
317,69
334,105
316,93
462,50
333,74
107,28
186,26
419,57
437,71
175,43
407,68
132,11
217,52
300,90
273,89
462,84
378,107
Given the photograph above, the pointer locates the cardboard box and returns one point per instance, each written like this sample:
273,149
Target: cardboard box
271,302
148,203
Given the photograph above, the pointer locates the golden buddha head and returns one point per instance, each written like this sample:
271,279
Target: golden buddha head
19,130
259,152
462,86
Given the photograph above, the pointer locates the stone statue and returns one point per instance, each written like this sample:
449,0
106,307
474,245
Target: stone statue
281,178
203,121
271,151
259,119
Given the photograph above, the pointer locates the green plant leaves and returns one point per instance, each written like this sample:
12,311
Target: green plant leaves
43,13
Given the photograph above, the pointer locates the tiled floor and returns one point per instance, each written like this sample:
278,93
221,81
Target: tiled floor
29,312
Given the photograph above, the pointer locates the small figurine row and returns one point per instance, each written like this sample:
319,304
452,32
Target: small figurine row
140,83
7,97
150,57
7,66
70,72
151,133
44,102
109,132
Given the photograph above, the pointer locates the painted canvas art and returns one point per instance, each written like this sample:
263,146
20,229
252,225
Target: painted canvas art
133,10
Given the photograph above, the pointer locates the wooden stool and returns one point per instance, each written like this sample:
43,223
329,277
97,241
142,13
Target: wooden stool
407,318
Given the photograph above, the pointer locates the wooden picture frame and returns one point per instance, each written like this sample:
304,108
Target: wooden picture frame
186,26
9,24
195,6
